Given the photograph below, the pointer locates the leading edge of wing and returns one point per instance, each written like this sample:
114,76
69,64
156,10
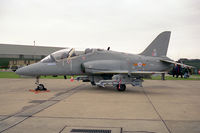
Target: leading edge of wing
176,63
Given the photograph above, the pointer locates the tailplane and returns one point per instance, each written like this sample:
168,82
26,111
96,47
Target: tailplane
158,46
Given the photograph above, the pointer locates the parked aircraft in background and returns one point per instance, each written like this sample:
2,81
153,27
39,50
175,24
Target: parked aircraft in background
105,67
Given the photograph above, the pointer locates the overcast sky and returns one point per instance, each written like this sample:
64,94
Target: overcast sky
124,25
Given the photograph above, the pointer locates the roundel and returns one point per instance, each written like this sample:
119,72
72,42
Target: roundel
139,64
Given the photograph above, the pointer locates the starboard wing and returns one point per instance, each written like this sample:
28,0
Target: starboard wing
176,63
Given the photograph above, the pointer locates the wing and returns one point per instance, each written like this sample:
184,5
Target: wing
173,62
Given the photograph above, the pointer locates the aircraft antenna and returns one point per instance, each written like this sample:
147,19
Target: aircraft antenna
34,51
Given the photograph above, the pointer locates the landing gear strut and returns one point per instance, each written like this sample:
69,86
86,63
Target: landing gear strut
40,87
121,87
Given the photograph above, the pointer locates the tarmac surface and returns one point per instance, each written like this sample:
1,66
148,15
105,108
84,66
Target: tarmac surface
159,107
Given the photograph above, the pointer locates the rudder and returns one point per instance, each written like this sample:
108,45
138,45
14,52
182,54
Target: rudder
158,46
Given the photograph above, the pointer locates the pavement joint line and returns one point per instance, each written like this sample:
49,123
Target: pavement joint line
62,129
13,124
94,118
137,132
69,92
183,120
156,110
50,99
6,117
17,115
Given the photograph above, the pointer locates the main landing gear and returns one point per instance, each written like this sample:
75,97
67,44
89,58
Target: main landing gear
121,87
40,87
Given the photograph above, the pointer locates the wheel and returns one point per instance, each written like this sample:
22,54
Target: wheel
121,87
93,83
40,87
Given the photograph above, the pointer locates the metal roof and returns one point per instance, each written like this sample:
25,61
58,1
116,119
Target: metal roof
10,49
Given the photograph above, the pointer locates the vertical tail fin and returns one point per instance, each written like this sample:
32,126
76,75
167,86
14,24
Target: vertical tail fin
158,46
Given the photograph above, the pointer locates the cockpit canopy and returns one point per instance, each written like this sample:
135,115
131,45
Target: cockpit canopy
62,54
66,53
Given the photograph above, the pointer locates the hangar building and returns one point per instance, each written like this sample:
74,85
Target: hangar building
20,55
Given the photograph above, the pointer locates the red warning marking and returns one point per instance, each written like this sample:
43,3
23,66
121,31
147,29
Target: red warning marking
36,92
119,83
72,79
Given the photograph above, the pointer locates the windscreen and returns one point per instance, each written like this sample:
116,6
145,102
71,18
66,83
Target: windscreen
61,54
56,56
66,53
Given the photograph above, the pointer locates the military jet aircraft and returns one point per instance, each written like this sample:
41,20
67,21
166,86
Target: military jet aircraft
105,67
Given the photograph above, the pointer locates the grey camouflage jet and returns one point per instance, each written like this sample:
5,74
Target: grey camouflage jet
105,67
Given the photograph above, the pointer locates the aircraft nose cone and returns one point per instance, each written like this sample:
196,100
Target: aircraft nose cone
21,71
31,70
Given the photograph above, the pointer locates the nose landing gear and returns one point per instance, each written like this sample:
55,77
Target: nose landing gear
40,87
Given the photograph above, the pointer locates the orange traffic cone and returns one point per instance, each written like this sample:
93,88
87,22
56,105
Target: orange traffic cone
72,79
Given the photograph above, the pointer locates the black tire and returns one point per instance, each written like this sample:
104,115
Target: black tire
93,83
44,89
40,87
37,89
122,87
